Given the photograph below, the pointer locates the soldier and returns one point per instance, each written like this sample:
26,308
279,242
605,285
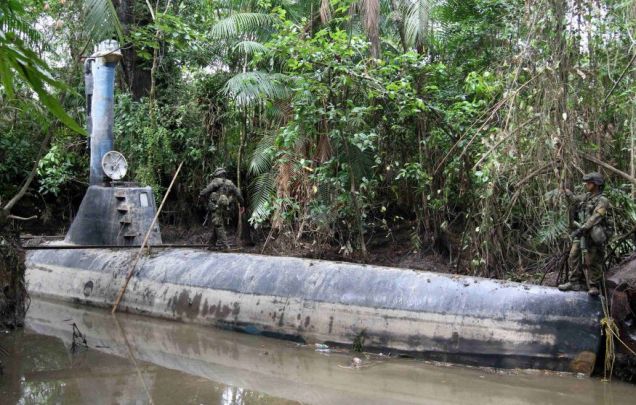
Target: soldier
587,254
222,194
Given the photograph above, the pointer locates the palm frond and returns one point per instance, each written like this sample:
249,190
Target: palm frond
11,21
238,24
250,48
250,87
19,61
262,189
416,22
262,157
102,20
278,112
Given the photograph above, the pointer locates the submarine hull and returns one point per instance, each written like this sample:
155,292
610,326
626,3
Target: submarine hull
458,319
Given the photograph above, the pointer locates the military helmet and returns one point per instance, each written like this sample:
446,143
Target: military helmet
594,177
220,171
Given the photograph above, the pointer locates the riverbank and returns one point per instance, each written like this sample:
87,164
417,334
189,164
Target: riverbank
12,287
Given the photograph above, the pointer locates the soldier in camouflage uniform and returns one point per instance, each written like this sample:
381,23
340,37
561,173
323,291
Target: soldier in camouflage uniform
222,194
587,254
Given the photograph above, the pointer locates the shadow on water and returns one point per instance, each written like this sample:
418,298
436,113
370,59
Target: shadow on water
137,360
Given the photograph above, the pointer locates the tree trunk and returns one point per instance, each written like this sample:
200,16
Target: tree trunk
632,126
12,267
395,7
632,138
239,162
136,70
356,206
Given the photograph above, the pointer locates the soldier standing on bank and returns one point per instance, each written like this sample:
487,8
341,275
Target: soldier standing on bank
587,254
222,194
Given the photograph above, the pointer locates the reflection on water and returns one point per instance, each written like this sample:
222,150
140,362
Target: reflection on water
137,360
41,370
232,395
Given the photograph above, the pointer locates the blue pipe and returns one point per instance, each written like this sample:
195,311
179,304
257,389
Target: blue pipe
88,90
102,108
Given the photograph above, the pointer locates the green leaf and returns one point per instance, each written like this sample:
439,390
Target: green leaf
102,20
237,24
251,87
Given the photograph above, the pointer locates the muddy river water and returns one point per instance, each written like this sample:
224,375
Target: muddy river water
138,360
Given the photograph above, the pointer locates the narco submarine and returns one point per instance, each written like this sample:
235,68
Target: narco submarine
461,319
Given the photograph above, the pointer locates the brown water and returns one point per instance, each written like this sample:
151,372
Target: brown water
138,360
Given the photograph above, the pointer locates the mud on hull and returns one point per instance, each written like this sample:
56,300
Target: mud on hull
466,320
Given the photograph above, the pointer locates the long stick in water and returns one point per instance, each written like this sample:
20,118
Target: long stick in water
132,359
131,270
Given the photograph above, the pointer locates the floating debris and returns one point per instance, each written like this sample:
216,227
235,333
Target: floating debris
79,340
322,348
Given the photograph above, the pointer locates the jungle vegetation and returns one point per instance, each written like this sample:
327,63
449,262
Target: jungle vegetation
344,122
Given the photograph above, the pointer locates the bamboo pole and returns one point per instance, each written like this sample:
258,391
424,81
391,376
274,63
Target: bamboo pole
131,270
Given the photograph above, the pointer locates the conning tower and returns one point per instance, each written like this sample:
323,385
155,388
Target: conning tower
112,212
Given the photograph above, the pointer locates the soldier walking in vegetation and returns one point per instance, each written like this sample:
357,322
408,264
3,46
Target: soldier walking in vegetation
222,194
587,254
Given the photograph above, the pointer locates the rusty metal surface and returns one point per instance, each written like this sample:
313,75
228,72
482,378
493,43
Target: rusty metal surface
450,318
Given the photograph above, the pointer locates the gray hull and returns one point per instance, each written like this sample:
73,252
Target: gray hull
448,318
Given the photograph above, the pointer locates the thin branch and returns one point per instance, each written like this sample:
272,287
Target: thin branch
492,112
43,147
532,175
520,183
152,11
631,61
610,168
22,218
34,170
502,140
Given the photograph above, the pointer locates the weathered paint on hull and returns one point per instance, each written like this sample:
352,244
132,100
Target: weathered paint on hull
449,318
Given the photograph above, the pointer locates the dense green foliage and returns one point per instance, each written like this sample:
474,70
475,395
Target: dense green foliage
344,120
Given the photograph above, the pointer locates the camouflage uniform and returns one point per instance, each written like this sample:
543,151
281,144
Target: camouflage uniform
588,241
222,193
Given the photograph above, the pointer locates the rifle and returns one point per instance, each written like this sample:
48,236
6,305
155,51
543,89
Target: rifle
585,260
